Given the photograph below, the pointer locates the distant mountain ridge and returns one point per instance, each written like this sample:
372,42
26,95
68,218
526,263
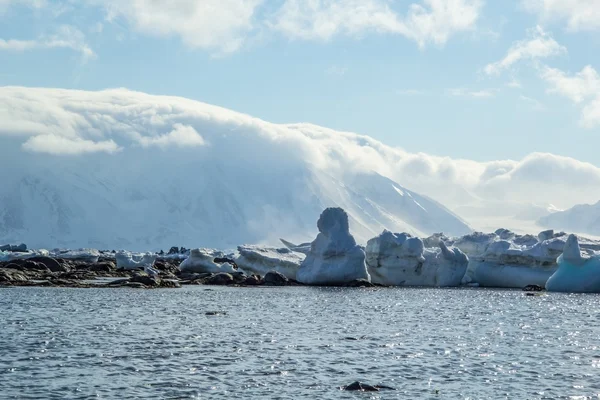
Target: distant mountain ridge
582,218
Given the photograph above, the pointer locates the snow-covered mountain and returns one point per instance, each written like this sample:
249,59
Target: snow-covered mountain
180,172
583,218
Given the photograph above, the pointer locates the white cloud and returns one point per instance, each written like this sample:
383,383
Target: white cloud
478,94
180,136
582,88
539,44
72,122
535,104
580,15
60,145
65,37
432,21
216,25
410,92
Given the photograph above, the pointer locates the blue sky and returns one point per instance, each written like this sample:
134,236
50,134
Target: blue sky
471,79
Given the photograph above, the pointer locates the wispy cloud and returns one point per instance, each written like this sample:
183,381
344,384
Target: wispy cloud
410,92
430,21
533,103
66,37
539,44
477,94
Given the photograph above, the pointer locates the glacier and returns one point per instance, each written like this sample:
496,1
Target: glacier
334,258
576,273
582,218
402,260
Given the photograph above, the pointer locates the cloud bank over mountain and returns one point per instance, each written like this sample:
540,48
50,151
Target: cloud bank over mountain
158,137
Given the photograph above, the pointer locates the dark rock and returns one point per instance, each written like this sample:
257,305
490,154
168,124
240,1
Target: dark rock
253,280
118,282
533,288
173,250
106,266
364,387
31,265
274,278
145,279
221,278
50,263
170,284
12,275
214,313
359,283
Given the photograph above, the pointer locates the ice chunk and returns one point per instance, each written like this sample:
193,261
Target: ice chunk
303,248
576,273
401,260
203,261
87,255
260,260
334,257
128,261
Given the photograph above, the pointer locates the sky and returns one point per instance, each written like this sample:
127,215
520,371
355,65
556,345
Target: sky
473,79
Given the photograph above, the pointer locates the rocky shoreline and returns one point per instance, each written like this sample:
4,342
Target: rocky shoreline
57,272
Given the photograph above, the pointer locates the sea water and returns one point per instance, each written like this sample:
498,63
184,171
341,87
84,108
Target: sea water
297,342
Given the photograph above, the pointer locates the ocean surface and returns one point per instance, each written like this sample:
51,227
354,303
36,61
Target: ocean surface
297,342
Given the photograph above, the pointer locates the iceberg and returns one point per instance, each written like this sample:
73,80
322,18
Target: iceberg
128,261
90,256
334,257
403,260
202,261
505,259
576,273
260,260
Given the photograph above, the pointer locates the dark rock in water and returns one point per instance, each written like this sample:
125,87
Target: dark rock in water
359,283
533,288
221,278
214,313
50,263
21,248
364,387
274,278
145,279
253,280
170,284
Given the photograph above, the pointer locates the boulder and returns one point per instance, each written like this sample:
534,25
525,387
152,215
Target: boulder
274,278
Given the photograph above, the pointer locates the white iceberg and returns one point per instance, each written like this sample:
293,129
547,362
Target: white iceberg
576,273
9,255
129,261
504,259
402,260
90,256
334,257
202,261
260,260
